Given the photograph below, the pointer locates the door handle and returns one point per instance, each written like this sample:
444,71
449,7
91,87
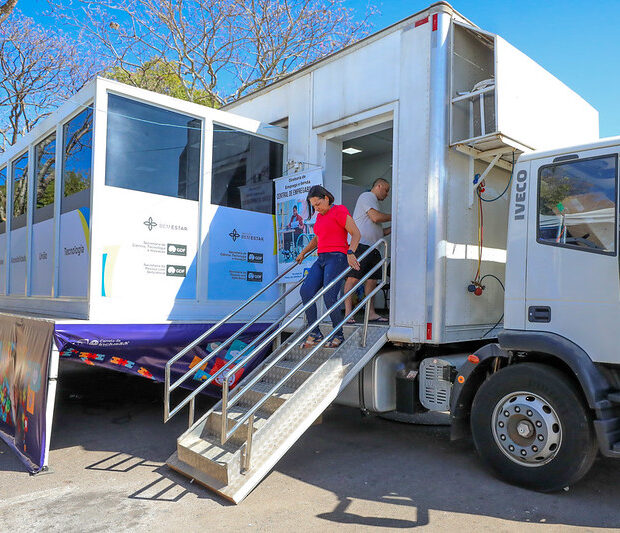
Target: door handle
539,313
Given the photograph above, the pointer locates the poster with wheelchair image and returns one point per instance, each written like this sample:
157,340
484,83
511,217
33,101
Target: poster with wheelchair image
295,220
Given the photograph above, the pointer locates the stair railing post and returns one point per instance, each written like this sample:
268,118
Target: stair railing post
248,444
192,406
224,428
366,318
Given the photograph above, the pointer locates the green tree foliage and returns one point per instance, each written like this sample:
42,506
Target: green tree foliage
75,182
162,77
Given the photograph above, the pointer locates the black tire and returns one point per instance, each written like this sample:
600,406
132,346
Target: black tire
572,456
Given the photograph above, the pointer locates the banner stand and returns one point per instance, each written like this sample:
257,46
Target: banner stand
52,383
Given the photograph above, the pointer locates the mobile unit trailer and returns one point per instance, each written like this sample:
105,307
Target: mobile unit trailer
440,108
443,110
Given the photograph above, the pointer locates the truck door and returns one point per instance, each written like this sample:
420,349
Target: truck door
573,286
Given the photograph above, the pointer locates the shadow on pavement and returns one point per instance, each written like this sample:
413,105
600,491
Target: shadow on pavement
383,474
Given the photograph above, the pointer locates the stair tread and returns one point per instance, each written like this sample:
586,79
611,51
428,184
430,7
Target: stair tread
308,366
237,411
263,387
211,449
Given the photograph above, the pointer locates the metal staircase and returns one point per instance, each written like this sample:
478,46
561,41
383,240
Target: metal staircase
234,445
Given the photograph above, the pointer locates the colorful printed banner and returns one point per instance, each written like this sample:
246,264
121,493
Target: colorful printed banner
144,349
25,347
295,220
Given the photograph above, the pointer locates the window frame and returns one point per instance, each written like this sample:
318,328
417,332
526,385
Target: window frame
16,220
61,141
182,112
36,210
236,129
612,253
3,229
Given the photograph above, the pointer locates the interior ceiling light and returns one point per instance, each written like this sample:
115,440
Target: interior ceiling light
351,151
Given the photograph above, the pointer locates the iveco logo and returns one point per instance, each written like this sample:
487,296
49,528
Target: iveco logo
520,198
234,235
150,223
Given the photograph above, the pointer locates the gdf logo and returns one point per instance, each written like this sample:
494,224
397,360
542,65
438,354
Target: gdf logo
176,270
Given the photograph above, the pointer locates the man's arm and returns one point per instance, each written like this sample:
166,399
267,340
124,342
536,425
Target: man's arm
377,216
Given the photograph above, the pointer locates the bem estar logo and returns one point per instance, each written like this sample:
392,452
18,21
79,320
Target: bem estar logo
150,223
234,235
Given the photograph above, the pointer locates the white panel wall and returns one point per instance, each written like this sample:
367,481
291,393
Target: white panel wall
366,78
537,109
461,249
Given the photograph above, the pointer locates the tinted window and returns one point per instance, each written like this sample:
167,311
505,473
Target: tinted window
2,200
45,168
20,191
243,169
77,152
577,204
152,150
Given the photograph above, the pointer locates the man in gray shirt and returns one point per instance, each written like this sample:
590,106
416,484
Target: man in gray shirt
369,218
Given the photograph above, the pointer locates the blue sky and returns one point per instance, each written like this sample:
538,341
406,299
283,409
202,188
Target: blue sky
577,41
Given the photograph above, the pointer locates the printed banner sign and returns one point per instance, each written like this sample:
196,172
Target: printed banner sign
25,346
144,349
242,256
295,220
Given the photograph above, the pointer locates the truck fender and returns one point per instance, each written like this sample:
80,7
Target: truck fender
593,383
470,376
473,372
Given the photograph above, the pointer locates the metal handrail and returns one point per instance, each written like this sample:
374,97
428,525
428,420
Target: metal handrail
249,415
234,359
168,388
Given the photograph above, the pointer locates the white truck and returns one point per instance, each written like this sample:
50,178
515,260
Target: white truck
152,243
445,120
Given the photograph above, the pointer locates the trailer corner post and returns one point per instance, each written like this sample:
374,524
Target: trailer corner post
438,156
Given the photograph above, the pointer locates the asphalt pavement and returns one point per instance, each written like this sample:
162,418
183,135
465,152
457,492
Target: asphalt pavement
108,473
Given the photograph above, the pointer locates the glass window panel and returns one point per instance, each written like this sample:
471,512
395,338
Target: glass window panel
77,152
20,191
45,165
243,169
577,204
151,149
2,200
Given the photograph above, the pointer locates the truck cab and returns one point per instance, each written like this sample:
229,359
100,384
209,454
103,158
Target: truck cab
544,399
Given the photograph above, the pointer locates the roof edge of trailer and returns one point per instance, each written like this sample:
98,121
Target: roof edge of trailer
440,6
600,143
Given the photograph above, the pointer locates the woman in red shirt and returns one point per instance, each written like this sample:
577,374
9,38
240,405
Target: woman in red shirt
331,230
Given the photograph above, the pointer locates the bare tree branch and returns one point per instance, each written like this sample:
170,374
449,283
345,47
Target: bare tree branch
6,9
39,69
221,48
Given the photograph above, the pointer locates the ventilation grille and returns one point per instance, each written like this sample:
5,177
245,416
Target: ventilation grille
434,389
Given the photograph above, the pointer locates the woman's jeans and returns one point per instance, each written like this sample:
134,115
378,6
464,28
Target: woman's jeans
325,269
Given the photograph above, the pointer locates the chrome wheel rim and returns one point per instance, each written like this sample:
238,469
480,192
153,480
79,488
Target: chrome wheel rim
527,429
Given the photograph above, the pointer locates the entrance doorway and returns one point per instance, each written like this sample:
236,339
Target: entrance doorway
364,159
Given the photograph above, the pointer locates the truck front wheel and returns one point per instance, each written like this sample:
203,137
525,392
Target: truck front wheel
531,427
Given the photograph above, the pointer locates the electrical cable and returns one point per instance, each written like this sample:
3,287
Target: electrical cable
504,289
496,324
507,185
493,276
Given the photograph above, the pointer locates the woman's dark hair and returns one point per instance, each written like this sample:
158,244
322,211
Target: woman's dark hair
318,191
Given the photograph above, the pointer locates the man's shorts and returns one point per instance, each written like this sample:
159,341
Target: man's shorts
367,263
